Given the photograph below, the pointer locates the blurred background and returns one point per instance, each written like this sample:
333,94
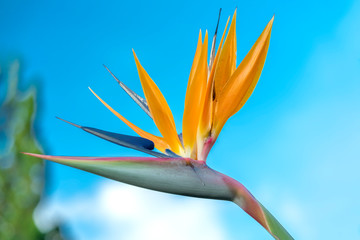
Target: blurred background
294,145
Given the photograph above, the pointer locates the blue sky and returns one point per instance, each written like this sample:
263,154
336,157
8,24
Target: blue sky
295,144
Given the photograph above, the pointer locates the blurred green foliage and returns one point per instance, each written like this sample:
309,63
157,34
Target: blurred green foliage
21,177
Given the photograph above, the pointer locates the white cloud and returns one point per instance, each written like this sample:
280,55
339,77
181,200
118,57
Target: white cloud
116,211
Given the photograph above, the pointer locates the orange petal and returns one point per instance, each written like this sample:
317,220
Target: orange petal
159,109
195,61
227,60
194,100
242,83
159,142
218,51
212,51
207,115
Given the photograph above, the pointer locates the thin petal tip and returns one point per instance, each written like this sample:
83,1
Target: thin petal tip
31,154
73,124
272,19
137,62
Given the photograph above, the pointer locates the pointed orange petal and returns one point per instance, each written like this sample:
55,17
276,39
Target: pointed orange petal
242,83
195,61
218,51
206,118
194,100
227,60
159,142
159,109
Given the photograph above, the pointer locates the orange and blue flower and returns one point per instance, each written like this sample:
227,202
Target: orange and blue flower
216,90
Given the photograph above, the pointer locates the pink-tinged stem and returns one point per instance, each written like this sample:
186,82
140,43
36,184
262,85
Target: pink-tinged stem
208,144
244,199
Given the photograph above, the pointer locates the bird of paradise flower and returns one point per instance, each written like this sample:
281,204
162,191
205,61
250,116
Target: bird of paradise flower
215,92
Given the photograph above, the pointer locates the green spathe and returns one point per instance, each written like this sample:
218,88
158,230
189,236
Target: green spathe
182,176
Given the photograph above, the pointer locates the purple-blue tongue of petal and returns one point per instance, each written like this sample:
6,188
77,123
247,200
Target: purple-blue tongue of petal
136,143
121,139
